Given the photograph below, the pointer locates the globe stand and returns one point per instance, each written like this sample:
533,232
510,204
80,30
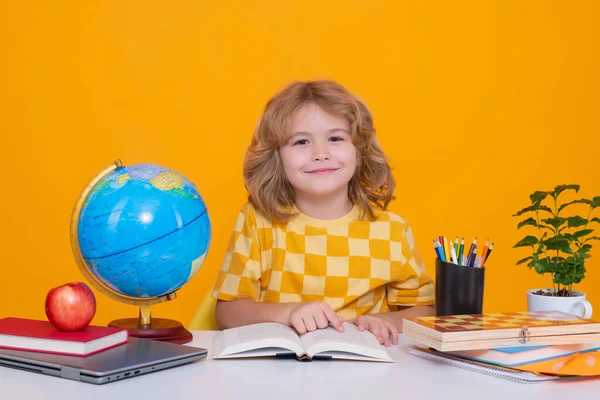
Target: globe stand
146,327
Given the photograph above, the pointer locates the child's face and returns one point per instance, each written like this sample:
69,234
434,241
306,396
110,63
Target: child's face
319,158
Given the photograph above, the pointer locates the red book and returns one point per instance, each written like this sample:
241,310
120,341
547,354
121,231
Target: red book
41,336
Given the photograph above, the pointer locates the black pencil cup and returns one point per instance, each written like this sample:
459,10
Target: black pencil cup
458,289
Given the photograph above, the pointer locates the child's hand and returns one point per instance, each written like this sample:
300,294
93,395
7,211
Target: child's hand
308,317
379,326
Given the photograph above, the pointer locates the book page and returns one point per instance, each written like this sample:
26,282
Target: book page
245,341
351,341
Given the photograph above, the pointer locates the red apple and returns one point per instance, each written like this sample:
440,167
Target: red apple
70,307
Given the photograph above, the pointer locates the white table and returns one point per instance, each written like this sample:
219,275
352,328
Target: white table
409,378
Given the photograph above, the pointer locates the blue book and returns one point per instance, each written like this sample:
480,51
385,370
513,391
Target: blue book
515,356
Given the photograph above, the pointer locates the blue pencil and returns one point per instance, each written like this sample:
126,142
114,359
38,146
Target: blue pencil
473,257
440,250
437,252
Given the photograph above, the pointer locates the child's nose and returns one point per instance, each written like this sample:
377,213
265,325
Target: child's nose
320,155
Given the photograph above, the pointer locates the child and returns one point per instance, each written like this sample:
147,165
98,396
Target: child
314,245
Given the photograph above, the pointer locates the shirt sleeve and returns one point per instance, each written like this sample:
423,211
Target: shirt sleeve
239,277
413,286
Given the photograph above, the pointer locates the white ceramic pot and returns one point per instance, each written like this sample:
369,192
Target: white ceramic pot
576,304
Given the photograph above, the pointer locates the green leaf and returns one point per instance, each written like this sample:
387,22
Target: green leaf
538,196
523,211
556,222
558,243
524,259
580,201
532,208
568,236
581,233
596,202
576,221
591,238
595,219
561,188
541,267
556,260
528,221
562,279
545,208
527,241
544,266
585,248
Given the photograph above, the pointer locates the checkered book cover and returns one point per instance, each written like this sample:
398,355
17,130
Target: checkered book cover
498,321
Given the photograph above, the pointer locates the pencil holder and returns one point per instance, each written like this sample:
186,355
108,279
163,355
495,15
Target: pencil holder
458,289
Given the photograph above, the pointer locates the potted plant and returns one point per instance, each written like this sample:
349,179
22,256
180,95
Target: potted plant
560,246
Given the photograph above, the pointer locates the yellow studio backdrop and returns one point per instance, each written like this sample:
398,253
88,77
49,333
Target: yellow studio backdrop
477,104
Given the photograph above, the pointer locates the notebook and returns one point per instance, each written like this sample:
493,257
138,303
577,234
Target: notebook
516,356
136,357
41,336
475,366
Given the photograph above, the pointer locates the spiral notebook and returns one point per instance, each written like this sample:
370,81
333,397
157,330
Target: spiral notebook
476,366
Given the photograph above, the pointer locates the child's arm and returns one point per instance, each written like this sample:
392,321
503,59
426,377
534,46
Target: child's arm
304,317
230,314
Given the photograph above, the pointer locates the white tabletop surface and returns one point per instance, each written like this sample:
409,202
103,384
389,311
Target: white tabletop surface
409,378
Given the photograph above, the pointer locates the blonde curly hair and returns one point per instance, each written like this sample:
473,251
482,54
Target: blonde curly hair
269,190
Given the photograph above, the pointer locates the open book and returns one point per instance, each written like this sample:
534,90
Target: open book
271,339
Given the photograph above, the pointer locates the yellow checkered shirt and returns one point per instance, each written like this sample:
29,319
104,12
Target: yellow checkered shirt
355,265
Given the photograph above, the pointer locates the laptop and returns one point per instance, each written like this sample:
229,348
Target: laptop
136,357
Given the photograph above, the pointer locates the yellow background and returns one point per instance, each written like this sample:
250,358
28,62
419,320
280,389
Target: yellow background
477,103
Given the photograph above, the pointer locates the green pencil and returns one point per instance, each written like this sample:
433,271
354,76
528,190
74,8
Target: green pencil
461,249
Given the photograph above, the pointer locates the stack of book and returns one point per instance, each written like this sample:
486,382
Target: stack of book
41,336
522,346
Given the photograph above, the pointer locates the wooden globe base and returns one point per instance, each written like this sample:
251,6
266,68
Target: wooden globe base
166,330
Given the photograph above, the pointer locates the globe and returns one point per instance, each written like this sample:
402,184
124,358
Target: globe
139,233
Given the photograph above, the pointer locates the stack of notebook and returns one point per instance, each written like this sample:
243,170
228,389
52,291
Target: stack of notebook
41,336
522,346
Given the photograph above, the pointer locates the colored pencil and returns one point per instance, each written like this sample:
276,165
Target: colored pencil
473,244
485,248
461,249
437,252
441,251
488,254
453,255
473,256
446,249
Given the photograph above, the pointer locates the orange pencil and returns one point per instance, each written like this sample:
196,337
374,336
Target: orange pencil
487,255
485,250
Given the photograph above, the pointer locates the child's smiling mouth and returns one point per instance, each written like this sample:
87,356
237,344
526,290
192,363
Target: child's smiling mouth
322,171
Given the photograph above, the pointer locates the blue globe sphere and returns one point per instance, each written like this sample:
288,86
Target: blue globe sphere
143,230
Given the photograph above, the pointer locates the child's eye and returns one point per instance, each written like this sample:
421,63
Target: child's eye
300,142
336,139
